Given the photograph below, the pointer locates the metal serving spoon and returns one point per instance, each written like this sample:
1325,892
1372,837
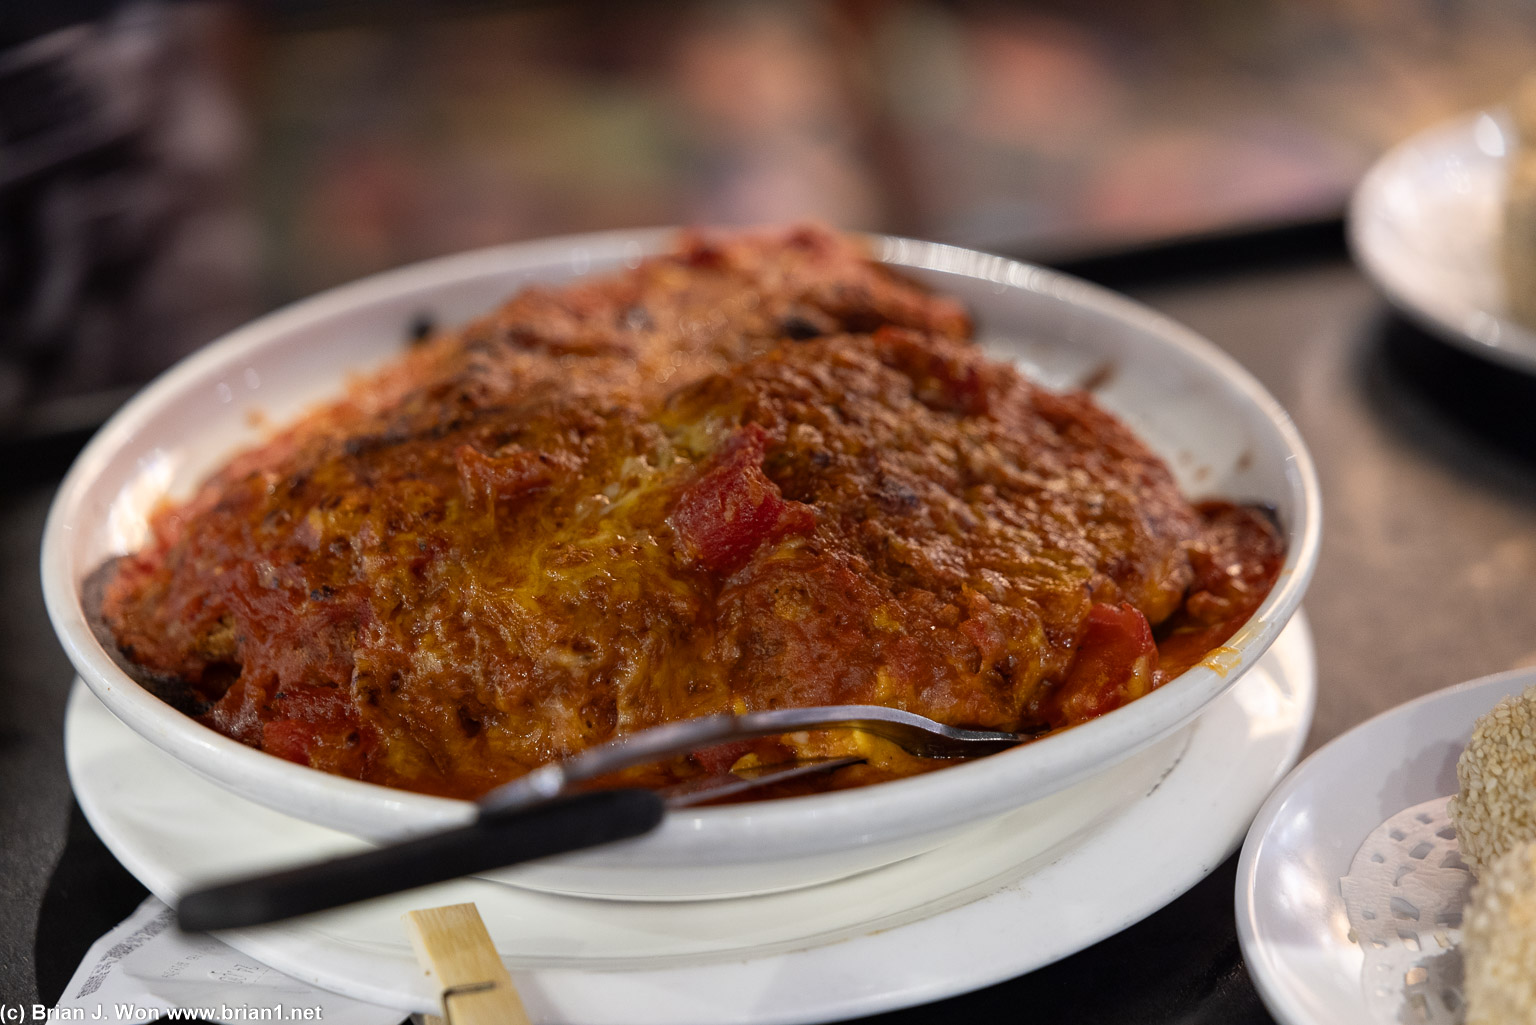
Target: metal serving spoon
913,733
544,813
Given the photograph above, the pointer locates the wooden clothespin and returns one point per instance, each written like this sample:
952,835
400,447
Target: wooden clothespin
451,943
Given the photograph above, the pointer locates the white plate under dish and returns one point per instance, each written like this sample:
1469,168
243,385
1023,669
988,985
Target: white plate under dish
1425,223
1221,433
1291,918
955,919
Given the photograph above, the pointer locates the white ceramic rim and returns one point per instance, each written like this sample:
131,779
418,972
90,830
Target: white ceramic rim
960,793
1516,345
1258,954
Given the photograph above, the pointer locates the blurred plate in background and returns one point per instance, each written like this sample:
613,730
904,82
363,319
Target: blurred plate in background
1426,223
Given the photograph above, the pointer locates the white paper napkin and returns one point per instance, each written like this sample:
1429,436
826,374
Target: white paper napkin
146,970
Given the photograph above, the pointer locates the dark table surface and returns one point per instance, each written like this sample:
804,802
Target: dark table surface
1427,578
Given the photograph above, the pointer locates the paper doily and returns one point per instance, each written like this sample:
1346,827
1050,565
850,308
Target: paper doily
1404,894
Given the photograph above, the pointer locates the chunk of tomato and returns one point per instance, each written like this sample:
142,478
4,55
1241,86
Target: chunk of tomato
288,738
1116,663
733,508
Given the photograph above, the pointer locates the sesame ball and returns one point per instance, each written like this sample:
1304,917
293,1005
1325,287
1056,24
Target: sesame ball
1499,942
1496,808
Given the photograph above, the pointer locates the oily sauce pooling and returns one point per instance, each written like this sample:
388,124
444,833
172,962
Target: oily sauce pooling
760,471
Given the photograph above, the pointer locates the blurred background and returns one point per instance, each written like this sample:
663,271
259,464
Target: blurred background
168,170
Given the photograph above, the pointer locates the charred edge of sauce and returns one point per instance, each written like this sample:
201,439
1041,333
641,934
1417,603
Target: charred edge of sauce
421,327
363,445
1099,376
173,690
1270,512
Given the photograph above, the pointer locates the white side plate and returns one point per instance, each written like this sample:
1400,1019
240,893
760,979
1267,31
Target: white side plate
1291,918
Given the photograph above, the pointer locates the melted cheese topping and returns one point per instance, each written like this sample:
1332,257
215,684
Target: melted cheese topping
760,472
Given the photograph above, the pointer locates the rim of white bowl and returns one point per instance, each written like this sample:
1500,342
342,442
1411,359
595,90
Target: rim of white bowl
987,785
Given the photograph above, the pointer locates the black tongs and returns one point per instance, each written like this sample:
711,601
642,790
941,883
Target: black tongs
545,813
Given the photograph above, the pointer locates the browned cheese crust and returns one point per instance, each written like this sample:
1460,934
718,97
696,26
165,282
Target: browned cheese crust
759,472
